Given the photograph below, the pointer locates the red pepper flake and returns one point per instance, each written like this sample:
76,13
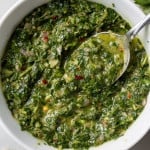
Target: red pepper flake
45,37
54,17
81,39
129,95
44,81
121,49
77,77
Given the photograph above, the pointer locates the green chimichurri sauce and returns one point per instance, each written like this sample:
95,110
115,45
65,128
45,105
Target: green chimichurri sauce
57,78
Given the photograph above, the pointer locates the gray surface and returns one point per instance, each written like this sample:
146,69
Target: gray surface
7,143
144,144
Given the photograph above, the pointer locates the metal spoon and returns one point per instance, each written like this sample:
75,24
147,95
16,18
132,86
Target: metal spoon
125,41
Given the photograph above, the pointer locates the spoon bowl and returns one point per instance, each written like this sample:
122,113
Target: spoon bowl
124,42
124,47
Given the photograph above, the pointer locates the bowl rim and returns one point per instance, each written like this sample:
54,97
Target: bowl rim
4,126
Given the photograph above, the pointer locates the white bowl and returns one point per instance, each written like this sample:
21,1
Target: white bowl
8,23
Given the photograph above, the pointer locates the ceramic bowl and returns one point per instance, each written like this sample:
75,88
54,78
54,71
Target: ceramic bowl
8,23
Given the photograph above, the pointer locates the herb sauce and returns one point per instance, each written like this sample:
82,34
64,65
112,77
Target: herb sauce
57,78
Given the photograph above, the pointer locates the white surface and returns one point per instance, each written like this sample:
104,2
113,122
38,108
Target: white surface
7,143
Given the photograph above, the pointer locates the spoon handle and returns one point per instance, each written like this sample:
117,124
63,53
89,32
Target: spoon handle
135,30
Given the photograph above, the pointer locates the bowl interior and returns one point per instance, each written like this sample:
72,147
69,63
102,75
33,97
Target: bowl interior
128,11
